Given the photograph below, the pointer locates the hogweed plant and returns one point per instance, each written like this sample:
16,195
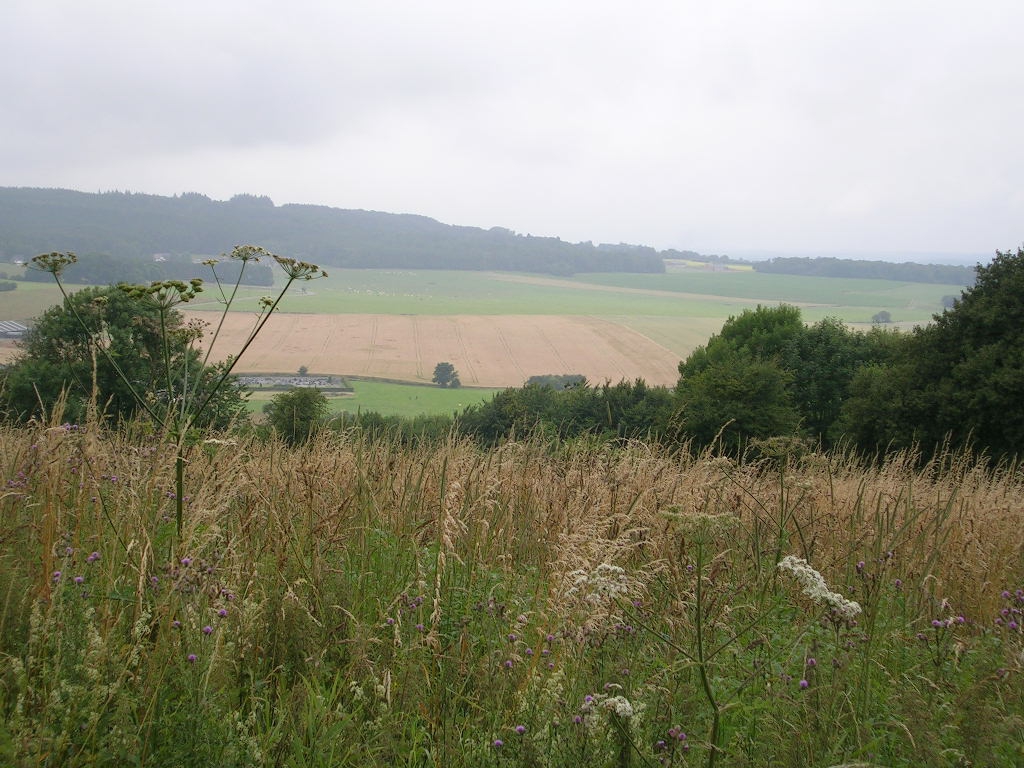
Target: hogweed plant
184,401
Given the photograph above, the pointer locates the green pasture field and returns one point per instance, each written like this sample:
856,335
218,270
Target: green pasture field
712,295
28,300
390,399
696,294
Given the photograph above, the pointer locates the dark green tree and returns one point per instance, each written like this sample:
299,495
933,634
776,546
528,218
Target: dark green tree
445,375
885,316
762,333
960,379
297,413
738,397
59,357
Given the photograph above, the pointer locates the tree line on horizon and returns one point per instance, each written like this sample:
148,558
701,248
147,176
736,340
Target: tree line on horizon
128,228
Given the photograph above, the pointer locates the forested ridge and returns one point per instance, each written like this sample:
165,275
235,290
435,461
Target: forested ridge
129,225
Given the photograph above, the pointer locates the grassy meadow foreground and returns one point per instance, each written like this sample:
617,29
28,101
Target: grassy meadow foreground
362,603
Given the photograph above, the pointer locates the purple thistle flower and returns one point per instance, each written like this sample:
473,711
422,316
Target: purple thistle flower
223,612
508,663
192,658
577,719
176,624
812,662
804,684
207,629
186,561
520,729
1005,594
56,575
497,743
79,579
898,583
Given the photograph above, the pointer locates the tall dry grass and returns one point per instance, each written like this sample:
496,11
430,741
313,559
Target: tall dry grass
386,580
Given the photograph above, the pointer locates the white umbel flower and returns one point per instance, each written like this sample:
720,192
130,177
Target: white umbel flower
620,705
814,587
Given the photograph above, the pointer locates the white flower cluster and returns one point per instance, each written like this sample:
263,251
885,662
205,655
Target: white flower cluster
814,587
605,582
619,705
594,707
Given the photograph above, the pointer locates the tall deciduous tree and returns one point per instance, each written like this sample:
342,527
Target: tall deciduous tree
445,375
59,355
296,414
960,378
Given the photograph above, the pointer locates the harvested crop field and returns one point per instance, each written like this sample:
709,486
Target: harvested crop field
487,350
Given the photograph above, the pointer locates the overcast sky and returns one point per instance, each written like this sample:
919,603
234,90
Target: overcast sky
723,127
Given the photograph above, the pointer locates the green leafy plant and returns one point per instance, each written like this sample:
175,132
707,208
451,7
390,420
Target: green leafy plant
179,405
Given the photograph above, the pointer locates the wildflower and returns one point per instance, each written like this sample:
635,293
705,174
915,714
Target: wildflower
605,582
803,684
192,658
56,575
812,662
620,705
814,586
223,612
176,624
389,621
898,583
186,561
520,729
508,664
79,579
53,263
498,744
207,629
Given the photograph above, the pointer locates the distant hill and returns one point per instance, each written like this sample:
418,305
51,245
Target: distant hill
128,225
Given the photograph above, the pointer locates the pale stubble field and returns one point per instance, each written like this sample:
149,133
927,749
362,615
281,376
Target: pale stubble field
487,350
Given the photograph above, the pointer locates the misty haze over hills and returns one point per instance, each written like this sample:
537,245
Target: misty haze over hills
129,225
